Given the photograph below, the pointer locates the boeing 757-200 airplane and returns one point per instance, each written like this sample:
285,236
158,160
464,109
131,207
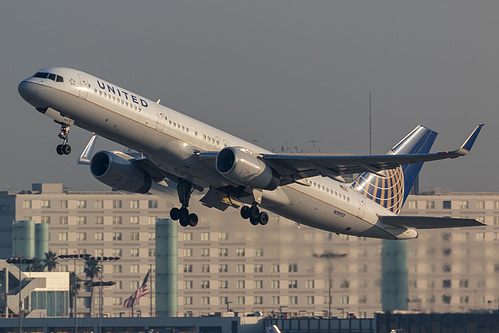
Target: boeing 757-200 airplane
306,188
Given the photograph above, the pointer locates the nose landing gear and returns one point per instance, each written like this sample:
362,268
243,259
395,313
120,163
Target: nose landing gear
184,190
64,148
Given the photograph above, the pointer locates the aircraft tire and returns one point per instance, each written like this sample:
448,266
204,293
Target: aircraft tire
245,212
59,150
184,213
184,222
253,221
263,218
254,212
175,213
66,149
193,220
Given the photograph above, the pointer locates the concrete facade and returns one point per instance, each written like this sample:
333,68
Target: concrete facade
274,268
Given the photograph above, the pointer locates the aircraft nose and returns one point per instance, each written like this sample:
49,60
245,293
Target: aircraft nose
27,90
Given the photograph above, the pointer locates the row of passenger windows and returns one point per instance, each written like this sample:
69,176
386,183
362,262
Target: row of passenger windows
118,100
50,76
328,190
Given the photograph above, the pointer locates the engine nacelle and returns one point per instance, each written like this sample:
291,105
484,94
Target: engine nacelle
119,173
243,167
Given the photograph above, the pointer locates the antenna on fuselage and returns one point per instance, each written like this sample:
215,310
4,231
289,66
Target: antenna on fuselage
159,100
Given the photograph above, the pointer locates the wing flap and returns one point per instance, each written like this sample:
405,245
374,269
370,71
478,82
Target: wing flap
428,222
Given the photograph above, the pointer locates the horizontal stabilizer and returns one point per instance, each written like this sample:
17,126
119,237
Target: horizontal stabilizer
428,222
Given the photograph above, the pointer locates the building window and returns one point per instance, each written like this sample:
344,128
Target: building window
117,301
134,236
205,236
258,268
412,204
240,268
118,285
62,204
276,284
205,300
117,220
223,252
151,219
447,204
63,236
224,300
240,300
258,253
117,236
187,268
480,204
134,204
187,252
276,300
134,220
26,203
81,220
240,284
45,219
117,204
187,236
223,236
188,300
205,268
310,284
134,252
205,284
63,220
151,252
293,284
240,252
464,204
81,204
205,252
134,268
153,204
293,300
81,236
99,204
223,268
258,300
117,252
99,220
430,204
258,284
151,236
310,300
446,283
45,204
293,268
345,300
99,236
188,284
62,252
98,252
275,268
223,284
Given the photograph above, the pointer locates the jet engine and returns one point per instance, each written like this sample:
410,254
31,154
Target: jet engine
119,173
243,167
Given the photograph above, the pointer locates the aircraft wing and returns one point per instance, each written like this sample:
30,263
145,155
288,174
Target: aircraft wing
429,222
293,167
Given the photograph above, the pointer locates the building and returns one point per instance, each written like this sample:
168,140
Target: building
226,263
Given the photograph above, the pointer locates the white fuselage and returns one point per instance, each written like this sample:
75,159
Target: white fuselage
171,139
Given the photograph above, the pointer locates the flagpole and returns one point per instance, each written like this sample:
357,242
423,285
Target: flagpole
150,293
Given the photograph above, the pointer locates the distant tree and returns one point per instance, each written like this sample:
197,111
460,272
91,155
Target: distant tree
92,270
50,261
36,265
74,289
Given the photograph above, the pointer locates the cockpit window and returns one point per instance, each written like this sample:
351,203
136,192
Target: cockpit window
50,76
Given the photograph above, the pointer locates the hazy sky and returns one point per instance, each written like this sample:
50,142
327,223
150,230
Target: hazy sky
280,72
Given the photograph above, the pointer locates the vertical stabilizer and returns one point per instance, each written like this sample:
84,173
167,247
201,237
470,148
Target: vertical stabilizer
390,188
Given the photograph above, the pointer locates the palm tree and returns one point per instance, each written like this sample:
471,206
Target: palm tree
50,261
36,265
74,289
92,270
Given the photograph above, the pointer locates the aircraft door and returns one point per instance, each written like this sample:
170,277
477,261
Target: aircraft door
362,206
83,86
161,118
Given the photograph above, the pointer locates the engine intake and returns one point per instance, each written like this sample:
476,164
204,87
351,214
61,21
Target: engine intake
243,167
119,173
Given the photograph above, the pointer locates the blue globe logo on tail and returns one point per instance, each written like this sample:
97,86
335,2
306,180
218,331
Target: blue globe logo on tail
390,188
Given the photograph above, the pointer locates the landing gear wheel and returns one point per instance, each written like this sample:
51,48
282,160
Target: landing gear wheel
175,213
193,220
254,212
263,218
66,149
59,149
245,212
184,213
253,221
184,222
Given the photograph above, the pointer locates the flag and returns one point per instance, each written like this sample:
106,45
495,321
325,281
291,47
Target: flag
135,297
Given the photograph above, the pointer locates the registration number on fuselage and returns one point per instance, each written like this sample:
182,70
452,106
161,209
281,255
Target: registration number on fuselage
338,213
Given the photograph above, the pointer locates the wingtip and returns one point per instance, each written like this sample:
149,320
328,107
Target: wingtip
468,144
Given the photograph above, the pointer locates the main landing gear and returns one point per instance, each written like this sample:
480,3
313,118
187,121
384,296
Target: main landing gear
64,148
254,215
184,190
